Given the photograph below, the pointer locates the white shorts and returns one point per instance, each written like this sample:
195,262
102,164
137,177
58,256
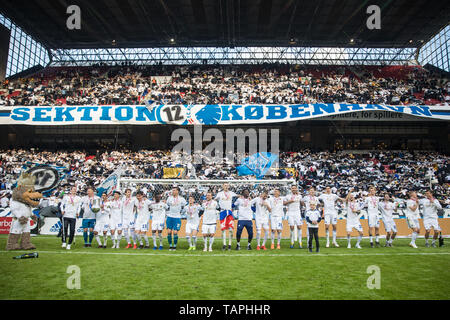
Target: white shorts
295,220
413,223
276,223
141,225
102,226
18,228
389,225
208,228
431,223
158,225
261,224
374,221
127,224
115,223
330,218
191,227
353,225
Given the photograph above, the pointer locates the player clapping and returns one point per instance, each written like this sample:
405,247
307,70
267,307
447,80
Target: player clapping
412,217
353,208
209,221
116,206
192,211
292,202
102,223
261,218
330,214
143,216
387,207
129,218
158,208
430,217
276,218
371,201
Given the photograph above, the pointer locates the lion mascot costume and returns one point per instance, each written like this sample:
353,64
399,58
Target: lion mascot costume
24,198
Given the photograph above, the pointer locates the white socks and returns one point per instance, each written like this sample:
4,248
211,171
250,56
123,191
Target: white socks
328,235
188,238
279,238
292,236
97,237
154,239
359,240
334,236
299,232
413,237
211,240
194,240
258,237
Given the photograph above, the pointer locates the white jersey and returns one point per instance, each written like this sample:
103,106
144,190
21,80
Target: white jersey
293,209
102,216
312,215
262,213
225,199
192,213
308,199
70,205
244,208
329,202
352,217
142,208
158,211
87,204
175,206
210,213
412,214
430,208
372,204
277,206
128,205
116,209
386,209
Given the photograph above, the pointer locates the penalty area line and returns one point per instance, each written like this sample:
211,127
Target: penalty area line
237,255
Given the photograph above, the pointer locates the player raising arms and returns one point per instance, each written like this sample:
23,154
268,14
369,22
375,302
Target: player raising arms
128,218
90,207
276,217
245,219
330,214
292,201
143,216
371,201
158,219
116,206
387,207
261,218
430,217
224,198
209,220
353,208
192,211
412,216
173,221
102,221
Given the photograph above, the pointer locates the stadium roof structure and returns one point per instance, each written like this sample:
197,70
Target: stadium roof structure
230,31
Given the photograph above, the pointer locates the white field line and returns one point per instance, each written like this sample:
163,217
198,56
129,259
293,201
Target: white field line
208,254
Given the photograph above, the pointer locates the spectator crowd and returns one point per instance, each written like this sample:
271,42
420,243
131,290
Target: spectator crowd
213,84
392,172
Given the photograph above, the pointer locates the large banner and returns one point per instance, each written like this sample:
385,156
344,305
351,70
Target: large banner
173,173
201,114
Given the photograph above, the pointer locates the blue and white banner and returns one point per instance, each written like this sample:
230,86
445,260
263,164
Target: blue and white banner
110,184
48,177
201,114
257,164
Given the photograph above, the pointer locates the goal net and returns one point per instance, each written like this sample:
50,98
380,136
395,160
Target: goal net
199,188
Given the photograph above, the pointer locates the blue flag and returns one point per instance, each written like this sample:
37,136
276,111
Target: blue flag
110,184
257,164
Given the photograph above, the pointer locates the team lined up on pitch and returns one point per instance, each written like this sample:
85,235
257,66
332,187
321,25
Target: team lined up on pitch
128,216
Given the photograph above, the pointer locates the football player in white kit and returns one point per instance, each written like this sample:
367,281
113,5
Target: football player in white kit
330,214
261,218
371,201
143,217
115,223
192,211
209,223
387,207
173,221
276,217
158,220
129,218
292,203
102,221
353,207
412,217
430,217
225,198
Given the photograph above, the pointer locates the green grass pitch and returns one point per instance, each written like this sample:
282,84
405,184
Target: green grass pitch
334,273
